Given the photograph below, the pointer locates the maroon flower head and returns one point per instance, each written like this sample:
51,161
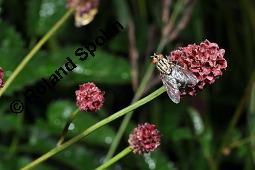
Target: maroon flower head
145,138
1,77
206,61
89,97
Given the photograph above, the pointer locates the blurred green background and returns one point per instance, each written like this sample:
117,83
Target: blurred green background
193,132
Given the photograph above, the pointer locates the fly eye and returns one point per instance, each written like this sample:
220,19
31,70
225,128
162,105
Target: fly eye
161,56
154,60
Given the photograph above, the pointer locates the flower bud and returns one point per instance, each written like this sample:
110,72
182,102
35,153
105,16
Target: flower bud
85,10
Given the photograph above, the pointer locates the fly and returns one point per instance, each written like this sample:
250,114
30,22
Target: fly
173,76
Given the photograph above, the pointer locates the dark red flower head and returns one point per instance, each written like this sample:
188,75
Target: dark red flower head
89,97
205,60
1,77
85,10
145,138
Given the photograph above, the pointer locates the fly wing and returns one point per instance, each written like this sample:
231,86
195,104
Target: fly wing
187,76
172,87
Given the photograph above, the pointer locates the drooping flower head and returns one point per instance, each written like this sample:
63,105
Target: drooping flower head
1,77
85,10
144,138
206,61
89,97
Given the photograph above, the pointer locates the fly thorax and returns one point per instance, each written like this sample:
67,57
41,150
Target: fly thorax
164,66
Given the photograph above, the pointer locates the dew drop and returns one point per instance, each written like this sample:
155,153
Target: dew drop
67,112
47,9
57,122
108,140
151,163
124,75
71,126
33,140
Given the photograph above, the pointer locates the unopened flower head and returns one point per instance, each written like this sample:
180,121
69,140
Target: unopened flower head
1,77
89,97
85,10
145,138
206,61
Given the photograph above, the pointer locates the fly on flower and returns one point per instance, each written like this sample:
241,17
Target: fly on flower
173,76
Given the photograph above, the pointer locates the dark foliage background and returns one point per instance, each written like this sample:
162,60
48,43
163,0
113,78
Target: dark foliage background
192,131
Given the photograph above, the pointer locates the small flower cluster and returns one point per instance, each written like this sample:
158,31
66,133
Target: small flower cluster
82,6
89,97
206,61
145,138
1,77
85,10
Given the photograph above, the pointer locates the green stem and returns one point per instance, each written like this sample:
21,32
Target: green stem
140,90
95,127
115,158
127,118
29,56
236,115
16,138
65,130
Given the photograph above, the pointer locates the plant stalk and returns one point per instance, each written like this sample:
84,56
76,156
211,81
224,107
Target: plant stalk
94,127
236,116
35,49
115,158
65,130
164,40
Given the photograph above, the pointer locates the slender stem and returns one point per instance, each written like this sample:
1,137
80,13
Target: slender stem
95,127
236,115
15,141
68,122
138,94
127,118
115,158
241,142
141,88
37,47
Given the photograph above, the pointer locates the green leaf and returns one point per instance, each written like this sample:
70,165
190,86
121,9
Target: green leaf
1,1
22,161
75,157
32,13
119,43
206,143
9,122
197,121
43,15
103,68
122,11
36,69
155,160
181,134
57,115
170,117
11,48
251,121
